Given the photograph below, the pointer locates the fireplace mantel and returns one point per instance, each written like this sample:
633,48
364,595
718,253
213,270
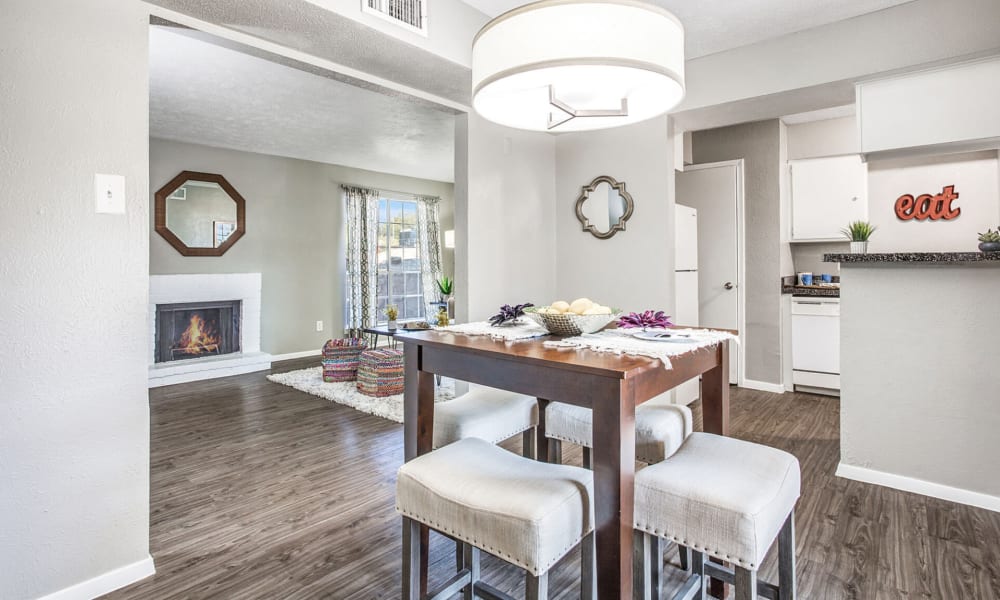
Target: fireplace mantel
176,289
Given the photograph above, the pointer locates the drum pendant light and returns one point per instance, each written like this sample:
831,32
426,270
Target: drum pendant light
576,65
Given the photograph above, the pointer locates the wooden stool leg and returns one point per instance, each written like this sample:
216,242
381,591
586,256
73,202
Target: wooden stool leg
698,570
459,556
536,587
745,584
588,568
411,559
786,559
472,562
587,461
555,451
682,554
528,443
645,572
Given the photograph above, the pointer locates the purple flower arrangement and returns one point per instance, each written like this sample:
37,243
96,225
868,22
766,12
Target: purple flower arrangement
645,320
509,314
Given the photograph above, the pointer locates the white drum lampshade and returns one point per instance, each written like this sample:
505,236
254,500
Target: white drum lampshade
575,65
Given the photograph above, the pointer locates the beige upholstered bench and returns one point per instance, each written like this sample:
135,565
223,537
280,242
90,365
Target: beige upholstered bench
726,498
488,414
525,512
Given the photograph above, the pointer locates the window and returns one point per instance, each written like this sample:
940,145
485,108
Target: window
410,14
399,260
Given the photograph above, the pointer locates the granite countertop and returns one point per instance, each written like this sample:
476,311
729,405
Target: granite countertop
914,257
788,286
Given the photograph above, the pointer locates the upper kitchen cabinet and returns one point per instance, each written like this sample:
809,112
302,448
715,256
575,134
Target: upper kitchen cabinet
827,194
952,108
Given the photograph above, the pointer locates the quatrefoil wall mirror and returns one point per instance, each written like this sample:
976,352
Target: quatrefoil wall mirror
200,214
604,206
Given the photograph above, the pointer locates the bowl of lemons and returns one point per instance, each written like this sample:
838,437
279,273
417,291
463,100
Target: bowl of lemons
572,318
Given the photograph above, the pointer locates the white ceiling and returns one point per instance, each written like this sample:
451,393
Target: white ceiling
716,25
207,94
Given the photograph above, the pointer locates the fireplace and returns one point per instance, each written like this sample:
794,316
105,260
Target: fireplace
197,329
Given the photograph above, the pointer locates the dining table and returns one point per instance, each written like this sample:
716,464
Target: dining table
609,384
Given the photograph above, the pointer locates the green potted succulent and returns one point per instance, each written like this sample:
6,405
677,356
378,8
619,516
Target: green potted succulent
446,286
859,232
989,241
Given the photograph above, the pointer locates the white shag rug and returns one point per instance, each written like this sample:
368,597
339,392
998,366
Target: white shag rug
311,381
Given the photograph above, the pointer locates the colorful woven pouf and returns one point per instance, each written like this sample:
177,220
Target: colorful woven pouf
380,372
340,359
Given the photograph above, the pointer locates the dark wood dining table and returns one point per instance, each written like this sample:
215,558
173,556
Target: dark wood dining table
611,385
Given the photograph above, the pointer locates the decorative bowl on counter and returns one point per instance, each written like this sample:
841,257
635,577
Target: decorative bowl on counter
570,324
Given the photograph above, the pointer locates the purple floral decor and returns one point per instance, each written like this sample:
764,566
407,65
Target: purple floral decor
645,320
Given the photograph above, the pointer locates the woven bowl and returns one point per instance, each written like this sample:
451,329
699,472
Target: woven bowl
570,324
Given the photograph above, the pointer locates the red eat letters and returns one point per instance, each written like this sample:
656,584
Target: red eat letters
925,206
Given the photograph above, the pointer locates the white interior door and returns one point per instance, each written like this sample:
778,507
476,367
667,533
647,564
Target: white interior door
714,190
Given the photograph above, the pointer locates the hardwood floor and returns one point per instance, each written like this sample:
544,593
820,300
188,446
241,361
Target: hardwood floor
262,491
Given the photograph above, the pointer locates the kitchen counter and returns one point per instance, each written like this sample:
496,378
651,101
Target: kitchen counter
919,378
788,286
915,257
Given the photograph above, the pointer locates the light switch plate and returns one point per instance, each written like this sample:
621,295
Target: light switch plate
109,194
319,325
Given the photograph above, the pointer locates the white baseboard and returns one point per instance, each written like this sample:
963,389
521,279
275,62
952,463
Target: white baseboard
106,582
763,386
919,486
291,355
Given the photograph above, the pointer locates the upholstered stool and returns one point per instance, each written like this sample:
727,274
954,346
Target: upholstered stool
525,512
660,429
488,414
726,498
380,372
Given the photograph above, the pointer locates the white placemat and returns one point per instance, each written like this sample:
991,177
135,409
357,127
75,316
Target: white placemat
522,331
619,341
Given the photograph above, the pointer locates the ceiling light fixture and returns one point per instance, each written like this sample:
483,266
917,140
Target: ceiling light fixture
575,65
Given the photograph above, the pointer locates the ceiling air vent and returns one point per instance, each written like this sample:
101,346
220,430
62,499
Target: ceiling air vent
410,14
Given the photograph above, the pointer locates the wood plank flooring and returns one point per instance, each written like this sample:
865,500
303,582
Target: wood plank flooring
262,491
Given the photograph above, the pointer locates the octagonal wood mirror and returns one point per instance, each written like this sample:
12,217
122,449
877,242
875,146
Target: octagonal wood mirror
200,214
604,206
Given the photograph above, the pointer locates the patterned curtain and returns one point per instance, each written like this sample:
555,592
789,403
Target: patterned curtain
430,248
362,260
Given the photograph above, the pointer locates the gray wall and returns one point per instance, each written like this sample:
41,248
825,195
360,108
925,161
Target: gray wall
919,378
74,421
506,218
758,145
634,269
295,236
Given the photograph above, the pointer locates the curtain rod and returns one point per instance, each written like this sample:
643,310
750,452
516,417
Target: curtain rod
385,191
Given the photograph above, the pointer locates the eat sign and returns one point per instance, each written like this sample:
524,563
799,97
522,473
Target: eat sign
925,206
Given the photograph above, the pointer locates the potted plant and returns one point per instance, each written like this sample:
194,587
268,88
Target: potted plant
990,240
446,286
858,232
392,311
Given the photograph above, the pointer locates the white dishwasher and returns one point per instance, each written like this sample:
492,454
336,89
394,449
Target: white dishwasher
816,343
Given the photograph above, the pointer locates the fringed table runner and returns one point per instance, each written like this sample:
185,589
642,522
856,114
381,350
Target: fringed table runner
618,341
519,331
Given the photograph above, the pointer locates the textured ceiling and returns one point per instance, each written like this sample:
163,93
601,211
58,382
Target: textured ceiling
715,25
208,94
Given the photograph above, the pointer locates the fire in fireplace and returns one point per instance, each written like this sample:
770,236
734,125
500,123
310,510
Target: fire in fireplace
197,329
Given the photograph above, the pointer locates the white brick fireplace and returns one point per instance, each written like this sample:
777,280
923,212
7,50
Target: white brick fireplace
175,289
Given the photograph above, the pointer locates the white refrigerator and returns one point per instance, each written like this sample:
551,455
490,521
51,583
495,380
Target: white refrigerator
686,286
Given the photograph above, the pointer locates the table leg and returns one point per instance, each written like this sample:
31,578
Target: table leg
541,442
614,473
715,419
418,428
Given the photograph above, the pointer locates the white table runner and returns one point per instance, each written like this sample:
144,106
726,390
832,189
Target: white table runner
621,341
522,331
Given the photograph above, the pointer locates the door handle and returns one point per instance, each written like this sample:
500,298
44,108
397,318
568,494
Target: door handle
728,285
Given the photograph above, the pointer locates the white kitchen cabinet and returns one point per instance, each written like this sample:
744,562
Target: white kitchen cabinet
827,194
